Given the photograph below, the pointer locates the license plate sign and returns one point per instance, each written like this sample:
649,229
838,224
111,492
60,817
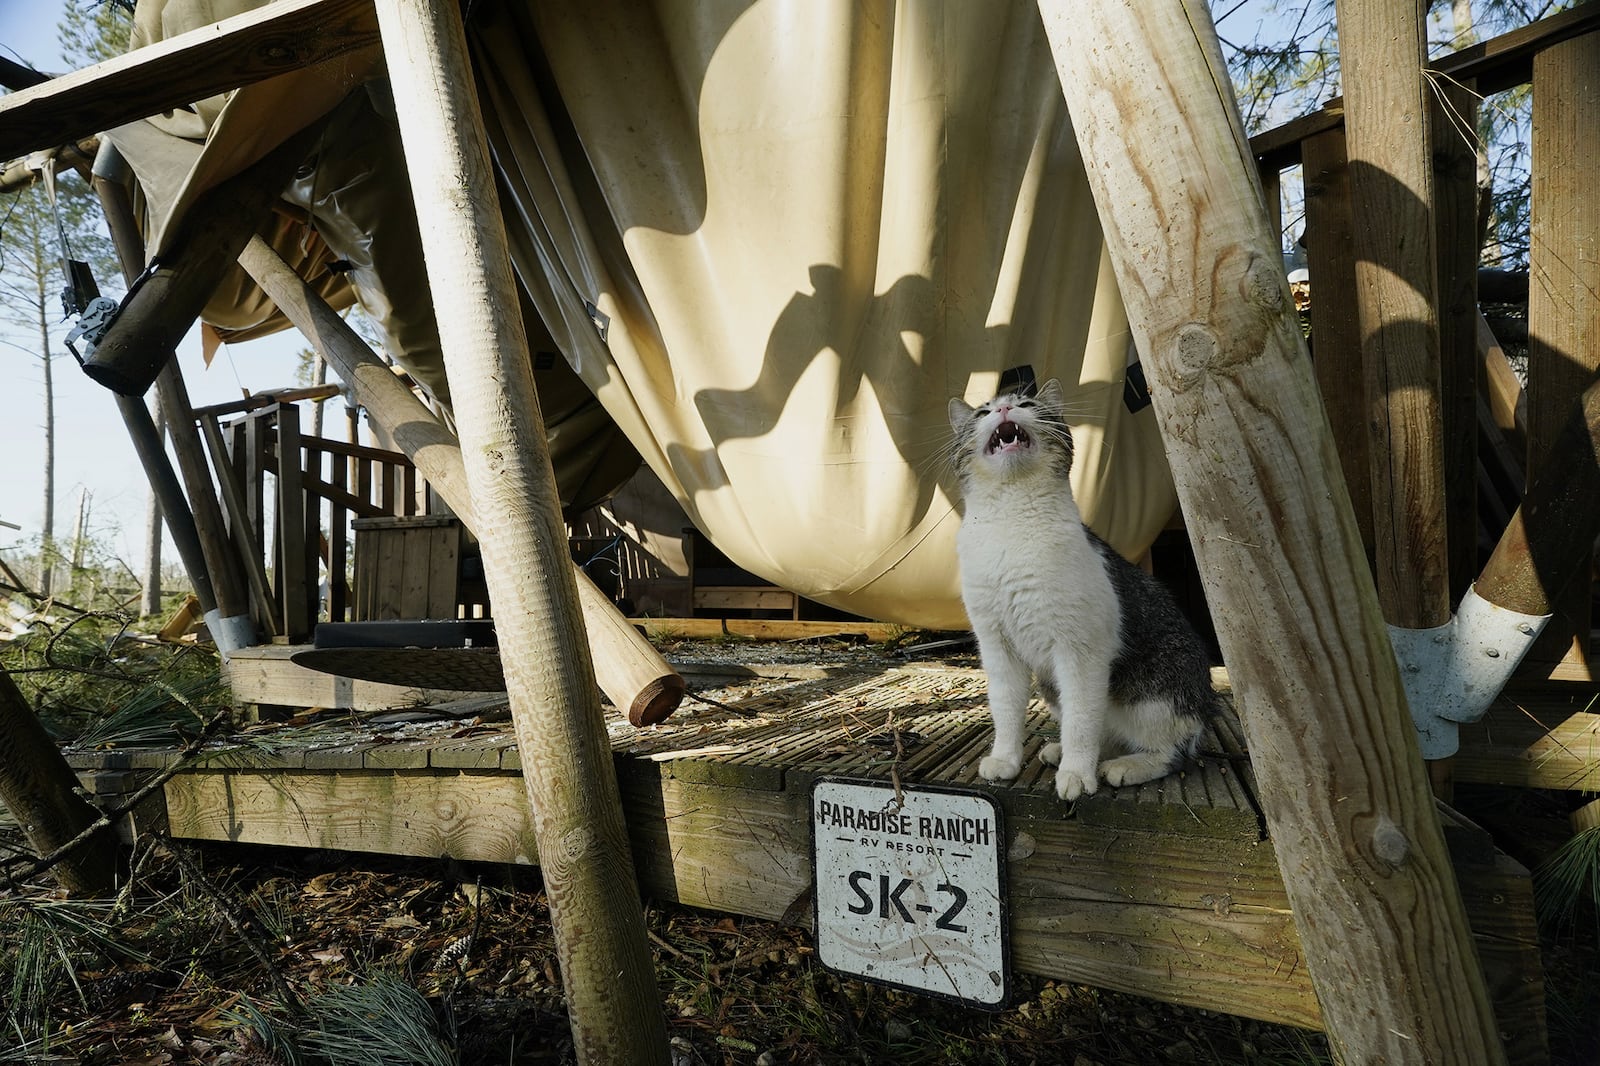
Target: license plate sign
909,888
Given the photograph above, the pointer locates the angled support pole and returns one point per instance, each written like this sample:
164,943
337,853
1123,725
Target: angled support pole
1347,800
613,1004
631,673
228,613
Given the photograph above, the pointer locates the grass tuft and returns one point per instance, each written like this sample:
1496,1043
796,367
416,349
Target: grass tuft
1568,880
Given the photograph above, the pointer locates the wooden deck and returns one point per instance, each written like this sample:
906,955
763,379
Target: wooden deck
1169,890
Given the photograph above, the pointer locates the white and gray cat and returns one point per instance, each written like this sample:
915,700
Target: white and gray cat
1115,659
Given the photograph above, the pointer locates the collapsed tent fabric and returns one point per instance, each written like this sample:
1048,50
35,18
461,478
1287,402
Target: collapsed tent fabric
775,239
350,228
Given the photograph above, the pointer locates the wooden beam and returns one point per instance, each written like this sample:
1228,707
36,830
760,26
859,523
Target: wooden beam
256,401
1455,171
1544,738
763,629
630,672
293,574
1550,540
1335,333
1180,918
1563,308
1495,65
1387,132
1502,392
233,501
595,909
1507,60
1279,147
265,675
195,521
1346,799
38,788
172,74
23,173
161,307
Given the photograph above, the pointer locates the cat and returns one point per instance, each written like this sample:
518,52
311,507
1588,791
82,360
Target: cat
1114,658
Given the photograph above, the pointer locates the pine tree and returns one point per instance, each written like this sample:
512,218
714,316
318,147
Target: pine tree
92,31
33,236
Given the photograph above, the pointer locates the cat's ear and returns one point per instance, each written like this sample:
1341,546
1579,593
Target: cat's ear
960,413
1050,395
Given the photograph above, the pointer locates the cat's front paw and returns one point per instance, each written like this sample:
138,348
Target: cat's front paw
999,767
1070,784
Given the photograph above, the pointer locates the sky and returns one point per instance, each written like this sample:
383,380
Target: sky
93,452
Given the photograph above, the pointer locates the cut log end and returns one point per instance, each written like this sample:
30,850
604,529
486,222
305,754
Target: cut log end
657,700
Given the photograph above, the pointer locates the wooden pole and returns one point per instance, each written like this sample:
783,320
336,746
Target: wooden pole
225,586
1335,334
1382,49
152,451
613,1004
1564,287
1335,755
150,593
39,789
147,439
1549,540
1455,161
631,673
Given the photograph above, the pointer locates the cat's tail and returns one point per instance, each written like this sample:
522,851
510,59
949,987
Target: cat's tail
1195,706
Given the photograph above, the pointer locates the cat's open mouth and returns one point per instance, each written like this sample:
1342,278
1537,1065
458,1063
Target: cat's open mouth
1007,435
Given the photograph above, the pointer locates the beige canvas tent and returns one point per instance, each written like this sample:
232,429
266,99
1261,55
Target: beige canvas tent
764,251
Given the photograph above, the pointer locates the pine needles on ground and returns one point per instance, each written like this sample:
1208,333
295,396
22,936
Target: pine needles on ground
44,943
94,684
379,1022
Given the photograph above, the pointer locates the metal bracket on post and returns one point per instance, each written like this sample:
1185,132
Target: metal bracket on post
1453,672
92,325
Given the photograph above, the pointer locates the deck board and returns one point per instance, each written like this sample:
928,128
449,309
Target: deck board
1169,889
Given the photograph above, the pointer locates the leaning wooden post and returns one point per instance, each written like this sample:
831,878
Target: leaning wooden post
1335,755
632,674
40,790
613,1004
229,621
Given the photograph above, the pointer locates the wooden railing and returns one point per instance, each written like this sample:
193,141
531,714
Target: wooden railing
286,519
1481,439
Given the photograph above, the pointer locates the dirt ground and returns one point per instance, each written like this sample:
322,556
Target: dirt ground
201,945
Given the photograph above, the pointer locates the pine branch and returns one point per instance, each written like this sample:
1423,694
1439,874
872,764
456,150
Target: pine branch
45,863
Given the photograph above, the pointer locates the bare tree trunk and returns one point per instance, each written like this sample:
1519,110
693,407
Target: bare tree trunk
319,376
38,788
150,602
47,526
78,531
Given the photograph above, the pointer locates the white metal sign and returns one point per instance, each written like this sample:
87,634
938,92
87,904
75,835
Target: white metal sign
909,888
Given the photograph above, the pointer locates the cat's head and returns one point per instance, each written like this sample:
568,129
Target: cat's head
1015,433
